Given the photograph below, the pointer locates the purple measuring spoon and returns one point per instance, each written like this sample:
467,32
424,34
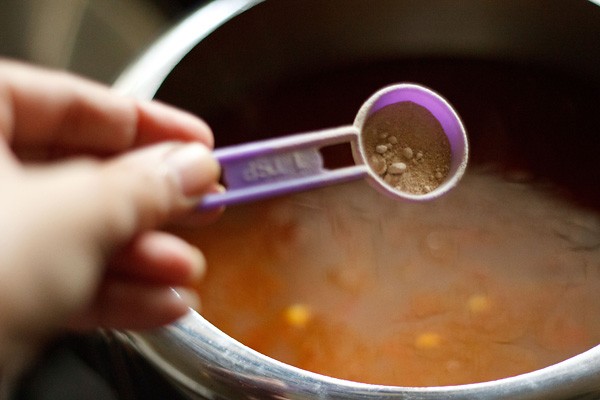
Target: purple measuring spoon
290,164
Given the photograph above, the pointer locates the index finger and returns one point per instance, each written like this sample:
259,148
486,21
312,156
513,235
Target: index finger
54,111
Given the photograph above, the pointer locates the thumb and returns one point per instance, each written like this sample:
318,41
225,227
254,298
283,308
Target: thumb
102,205
146,188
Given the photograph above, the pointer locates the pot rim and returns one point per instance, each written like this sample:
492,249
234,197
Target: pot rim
142,80
580,371
144,76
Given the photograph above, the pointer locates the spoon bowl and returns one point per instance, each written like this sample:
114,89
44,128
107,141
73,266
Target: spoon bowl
289,164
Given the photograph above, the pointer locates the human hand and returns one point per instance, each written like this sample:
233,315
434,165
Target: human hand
84,184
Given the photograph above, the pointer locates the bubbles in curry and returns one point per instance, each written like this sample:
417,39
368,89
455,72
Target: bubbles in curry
497,278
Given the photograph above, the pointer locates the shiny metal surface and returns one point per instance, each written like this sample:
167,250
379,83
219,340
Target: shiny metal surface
236,44
144,77
209,364
93,38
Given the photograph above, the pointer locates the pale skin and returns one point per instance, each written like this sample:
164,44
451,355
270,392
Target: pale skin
87,179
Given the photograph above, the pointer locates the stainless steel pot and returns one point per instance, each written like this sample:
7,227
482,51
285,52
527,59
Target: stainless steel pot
226,57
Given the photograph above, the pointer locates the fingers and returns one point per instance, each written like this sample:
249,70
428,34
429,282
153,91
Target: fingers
159,122
146,188
73,115
76,215
131,305
138,293
63,223
161,259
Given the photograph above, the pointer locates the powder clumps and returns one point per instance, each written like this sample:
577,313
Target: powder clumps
407,148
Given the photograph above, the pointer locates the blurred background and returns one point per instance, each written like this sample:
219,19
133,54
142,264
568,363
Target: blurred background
94,38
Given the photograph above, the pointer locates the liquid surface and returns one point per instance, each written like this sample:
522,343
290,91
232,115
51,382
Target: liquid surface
497,278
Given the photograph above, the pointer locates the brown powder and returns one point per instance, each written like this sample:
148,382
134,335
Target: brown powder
406,146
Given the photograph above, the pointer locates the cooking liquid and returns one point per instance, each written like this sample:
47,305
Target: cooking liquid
495,279
499,277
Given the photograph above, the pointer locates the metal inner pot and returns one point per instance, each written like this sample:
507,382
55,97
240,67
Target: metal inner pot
257,69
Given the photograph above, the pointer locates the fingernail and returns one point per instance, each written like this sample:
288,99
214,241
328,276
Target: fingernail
188,297
199,265
194,167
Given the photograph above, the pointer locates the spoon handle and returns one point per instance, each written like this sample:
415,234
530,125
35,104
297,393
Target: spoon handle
279,166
